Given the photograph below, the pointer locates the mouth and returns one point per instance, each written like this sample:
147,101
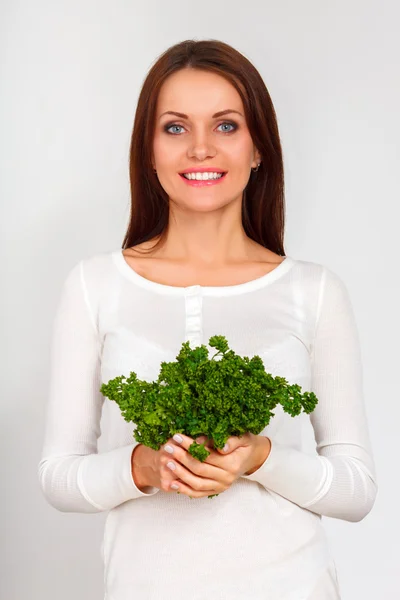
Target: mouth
203,183
221,175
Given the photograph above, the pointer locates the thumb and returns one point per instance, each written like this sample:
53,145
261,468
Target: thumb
204,440
230,445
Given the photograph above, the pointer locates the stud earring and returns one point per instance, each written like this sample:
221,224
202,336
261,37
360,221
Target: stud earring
256,169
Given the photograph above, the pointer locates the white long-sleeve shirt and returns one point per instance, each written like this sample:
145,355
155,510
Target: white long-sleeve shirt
263,537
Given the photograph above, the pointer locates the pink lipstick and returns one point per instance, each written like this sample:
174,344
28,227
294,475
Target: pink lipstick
203,182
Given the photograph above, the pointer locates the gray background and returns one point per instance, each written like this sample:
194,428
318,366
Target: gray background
70,75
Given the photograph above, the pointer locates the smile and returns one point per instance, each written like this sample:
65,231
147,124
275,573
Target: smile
202,179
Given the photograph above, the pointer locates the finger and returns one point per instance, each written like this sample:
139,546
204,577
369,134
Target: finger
229,447
184,441
210,468
188,441
204,440
197,483
234,442
188,491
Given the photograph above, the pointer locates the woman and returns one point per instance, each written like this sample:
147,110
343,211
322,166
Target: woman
204,255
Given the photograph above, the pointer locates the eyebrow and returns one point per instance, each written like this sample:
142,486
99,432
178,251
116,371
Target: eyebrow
217,114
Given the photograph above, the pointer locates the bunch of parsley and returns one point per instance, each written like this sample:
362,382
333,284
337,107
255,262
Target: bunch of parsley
197,396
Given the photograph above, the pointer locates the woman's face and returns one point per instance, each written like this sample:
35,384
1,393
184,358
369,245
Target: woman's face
201,139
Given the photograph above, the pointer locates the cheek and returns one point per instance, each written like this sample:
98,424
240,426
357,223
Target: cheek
238,145
164,152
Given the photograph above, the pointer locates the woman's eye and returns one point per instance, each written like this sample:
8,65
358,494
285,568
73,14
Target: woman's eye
168,127
171,125
230,125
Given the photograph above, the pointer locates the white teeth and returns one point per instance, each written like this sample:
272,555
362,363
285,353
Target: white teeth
202,176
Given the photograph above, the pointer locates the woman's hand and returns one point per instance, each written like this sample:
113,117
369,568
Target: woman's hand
217,473
149,468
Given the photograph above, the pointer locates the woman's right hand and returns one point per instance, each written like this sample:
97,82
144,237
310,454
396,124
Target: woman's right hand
149,468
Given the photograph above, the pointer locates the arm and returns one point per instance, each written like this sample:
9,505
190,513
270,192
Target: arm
340,481
73,476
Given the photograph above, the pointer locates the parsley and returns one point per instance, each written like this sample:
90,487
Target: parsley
197,396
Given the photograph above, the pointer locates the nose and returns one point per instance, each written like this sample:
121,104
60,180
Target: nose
201,146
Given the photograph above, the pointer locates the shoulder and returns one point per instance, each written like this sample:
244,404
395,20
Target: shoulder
328,288
306,273
91,273
92,281
315,271
319,283
98,264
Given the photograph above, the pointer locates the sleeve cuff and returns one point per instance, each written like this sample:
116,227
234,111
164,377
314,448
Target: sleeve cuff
299,477
106,481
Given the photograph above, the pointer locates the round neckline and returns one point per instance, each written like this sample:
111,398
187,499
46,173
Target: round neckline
206,290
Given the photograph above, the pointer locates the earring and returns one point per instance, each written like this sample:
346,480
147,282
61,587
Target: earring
256,169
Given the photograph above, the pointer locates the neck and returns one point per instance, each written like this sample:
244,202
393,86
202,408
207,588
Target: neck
206,240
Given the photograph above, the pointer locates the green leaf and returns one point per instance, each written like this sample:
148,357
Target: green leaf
197,395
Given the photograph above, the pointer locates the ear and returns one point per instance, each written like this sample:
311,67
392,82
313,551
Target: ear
257,158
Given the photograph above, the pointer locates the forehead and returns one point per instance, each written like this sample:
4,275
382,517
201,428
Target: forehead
196,92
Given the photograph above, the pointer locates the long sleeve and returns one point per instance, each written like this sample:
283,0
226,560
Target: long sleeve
72,475
340,480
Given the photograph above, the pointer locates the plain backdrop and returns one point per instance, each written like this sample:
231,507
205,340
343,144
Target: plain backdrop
70,75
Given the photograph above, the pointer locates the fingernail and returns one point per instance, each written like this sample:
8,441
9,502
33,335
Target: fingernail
169,449
178,438
226,448
174,486
171,465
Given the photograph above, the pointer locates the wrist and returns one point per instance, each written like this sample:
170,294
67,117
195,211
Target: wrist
263,448
139,467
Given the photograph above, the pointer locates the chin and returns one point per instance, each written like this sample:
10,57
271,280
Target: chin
204,205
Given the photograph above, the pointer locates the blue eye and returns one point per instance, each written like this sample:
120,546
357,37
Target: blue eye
168,126
231,124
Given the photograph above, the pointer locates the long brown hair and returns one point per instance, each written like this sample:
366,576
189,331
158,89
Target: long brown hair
263,204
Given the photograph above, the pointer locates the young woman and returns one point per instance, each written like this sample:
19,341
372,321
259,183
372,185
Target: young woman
204,255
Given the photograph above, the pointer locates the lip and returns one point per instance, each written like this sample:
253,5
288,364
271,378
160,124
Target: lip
203,183
203,170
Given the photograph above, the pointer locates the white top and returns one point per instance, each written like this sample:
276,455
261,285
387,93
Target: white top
263,537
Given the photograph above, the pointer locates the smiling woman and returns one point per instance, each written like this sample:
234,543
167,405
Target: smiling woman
203,256
200,112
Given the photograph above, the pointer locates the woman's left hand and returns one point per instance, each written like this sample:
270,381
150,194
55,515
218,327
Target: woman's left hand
244,455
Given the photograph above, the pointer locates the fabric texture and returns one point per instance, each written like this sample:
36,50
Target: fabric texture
263,537
327,586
